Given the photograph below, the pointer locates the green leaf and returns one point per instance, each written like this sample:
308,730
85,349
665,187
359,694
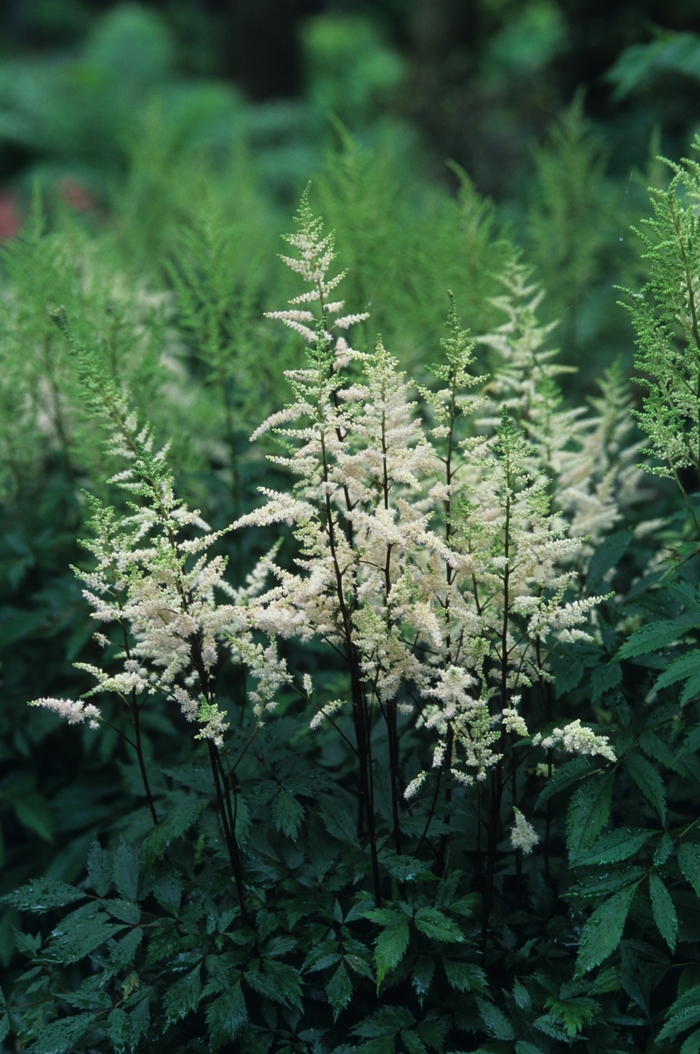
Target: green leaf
184,996
99,869
656,635
179,820
34,813
43,894
287,814
663,849
691,1044
679,670
118,1030
124,910
279,982
663,910
338,819
437,926
80,933
568,672
685,1013
647,779
496,1022
564,776
63,1036
465,977
412,1042
389,948
385,1022
339,990
604,679
123,952
226,1016
689,863
589,811
574,1014
603,931
126,870
606,556
613,847
168,892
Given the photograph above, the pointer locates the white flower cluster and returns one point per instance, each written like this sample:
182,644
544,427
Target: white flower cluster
429,557
155,580
576,738
74,712
523,835
590,456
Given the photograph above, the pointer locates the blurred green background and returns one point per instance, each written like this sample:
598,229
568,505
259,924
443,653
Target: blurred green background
555,109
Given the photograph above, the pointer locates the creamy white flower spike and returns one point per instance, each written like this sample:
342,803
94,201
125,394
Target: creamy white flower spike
75,712
576,738
523,835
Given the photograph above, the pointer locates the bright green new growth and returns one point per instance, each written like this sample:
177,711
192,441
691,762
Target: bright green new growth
666,316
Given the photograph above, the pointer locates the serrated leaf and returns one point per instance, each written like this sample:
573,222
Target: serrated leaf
663,850
99,866
183,997
389,948
691,1044
606,556
124,910
126,870
168,892
287,814
338,820
404,868
565,776
123,952
648,780
604,679
567,674
679,670
589,811
226,1016
43,894
437,926
613,847
78,935
574,1014
339,990
412,1042
495,1021
523,1047
663,910
277,981
465,977
603,931
179,820
656,635
605,885
118,1030
384,1022
678,1022
60,1037
689,863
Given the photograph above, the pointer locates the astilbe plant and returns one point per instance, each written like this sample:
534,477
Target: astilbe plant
437,575
429,558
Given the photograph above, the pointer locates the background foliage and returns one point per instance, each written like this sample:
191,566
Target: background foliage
150,158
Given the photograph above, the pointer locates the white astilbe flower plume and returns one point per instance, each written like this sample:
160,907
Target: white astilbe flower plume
428,557
591,458
523,835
